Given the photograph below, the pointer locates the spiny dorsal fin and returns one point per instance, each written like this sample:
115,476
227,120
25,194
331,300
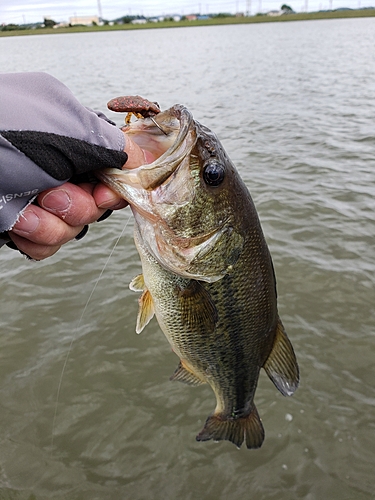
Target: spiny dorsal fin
183,374
281,365
146,311
137,284
235,430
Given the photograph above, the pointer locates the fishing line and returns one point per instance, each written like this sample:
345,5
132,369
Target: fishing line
78,326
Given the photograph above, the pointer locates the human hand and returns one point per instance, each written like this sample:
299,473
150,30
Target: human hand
63,212
61,215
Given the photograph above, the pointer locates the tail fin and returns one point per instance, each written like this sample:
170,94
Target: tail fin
235,430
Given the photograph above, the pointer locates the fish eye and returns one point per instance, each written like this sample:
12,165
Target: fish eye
213,173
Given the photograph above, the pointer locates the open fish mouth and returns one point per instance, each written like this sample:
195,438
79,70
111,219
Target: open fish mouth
169,136
164,194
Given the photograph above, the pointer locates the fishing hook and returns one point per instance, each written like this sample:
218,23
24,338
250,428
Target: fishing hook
159,127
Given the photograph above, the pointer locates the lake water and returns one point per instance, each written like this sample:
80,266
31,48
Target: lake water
294,105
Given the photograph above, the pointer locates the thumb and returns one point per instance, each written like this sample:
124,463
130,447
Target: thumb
136,155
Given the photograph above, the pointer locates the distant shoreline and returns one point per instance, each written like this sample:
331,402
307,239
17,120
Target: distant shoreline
306,16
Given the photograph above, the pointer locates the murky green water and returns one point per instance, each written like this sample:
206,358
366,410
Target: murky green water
294,106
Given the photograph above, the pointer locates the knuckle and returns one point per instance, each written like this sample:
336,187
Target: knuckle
43,252
59,234
55,236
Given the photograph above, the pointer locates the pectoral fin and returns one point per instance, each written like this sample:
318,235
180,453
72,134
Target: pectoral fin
184,374
281,365
146,306
197,307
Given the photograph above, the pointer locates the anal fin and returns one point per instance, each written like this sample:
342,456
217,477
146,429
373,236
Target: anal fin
281,365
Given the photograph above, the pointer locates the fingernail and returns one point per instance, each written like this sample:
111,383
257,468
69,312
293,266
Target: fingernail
56,201
27,223
105,216
109,202
82,233
12,245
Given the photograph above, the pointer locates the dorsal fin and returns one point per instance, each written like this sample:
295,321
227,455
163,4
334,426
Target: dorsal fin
281,365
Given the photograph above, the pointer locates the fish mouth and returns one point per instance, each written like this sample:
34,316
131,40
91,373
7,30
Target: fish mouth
170,136
157,191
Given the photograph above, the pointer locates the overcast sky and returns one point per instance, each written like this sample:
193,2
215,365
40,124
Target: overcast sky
26,11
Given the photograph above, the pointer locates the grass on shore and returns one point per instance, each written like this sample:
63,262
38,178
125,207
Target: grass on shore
305,16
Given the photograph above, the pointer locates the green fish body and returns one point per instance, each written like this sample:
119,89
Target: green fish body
207,273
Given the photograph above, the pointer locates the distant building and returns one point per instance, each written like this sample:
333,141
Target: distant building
85,20
174,17
139,21
191,17
62,25
275,13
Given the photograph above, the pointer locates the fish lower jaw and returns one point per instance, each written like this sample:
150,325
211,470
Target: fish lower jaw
189,261
184,272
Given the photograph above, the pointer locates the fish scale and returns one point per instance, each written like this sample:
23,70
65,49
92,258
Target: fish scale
207,273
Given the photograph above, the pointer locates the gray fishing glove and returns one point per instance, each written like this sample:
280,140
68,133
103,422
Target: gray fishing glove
47,138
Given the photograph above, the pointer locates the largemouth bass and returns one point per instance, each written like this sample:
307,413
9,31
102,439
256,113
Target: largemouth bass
207,271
